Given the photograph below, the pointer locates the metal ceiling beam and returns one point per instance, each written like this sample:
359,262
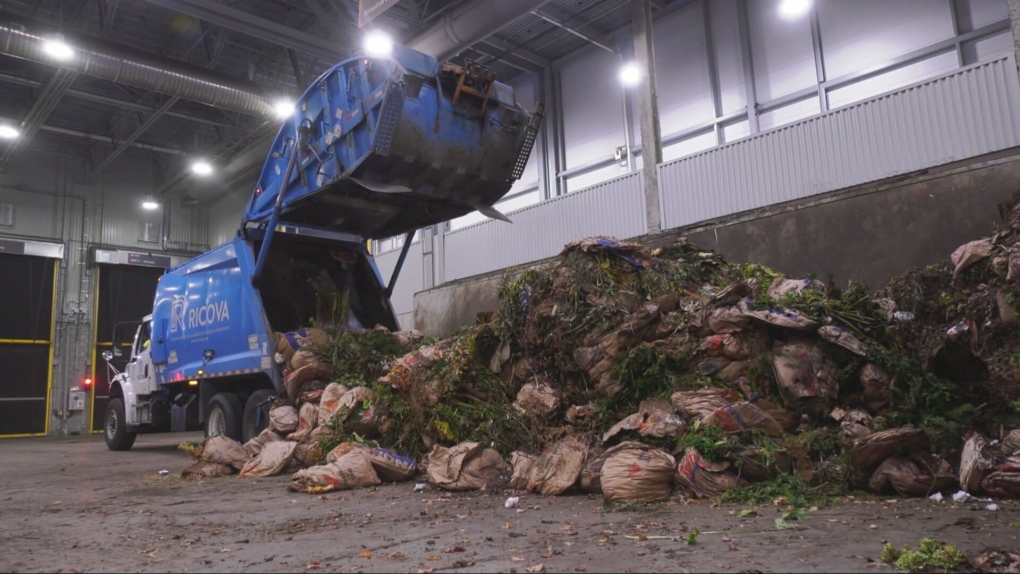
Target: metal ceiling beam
126,143
559,23
40,112
519,51
100,99
469,24
494,55
106,139
212,55
107,12
123,65
254,26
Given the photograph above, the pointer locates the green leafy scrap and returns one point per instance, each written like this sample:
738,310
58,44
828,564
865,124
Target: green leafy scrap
930,555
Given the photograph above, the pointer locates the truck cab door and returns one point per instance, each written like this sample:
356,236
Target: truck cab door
139,368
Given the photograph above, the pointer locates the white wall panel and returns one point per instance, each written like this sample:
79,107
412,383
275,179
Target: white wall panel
614,208
592,107
858,91
990,48
519,202
968,113
681,71
733,132
504,206
688,146
788,114
863,33
585,180
781,50
410,281
977,13
726,40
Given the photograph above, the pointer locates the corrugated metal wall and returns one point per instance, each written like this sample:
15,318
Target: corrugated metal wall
33,214
967,113
224,217
48,203
410,281
615,207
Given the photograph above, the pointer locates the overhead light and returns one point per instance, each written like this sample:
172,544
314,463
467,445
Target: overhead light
201,167
378,45
630,74
283,108
794,8
57,48
9,133
150,205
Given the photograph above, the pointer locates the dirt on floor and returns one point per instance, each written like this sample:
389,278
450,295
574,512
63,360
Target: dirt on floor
70,505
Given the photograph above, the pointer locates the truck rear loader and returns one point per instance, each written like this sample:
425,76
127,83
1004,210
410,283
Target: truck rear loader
375,148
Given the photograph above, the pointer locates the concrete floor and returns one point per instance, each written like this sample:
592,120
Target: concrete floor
69,504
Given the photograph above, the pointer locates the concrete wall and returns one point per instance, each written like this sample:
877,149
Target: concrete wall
874,233
868,234
443,310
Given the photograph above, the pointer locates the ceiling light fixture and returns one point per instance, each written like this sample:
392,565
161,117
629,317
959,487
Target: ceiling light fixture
794,8
57,48
630,74
284,108
201,167
378,45
150,205
9,133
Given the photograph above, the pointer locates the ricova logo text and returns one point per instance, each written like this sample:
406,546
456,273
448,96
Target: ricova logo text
181,317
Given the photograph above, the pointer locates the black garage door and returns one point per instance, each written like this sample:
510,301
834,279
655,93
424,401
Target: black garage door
26,334
124,293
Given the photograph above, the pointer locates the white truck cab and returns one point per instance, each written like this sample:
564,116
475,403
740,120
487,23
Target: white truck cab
131,391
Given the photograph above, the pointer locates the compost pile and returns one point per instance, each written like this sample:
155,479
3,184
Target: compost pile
630,372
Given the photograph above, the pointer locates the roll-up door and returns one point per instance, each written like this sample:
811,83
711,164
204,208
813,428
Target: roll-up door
27,309
123,293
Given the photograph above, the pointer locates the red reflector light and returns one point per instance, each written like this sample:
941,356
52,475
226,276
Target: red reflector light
88,381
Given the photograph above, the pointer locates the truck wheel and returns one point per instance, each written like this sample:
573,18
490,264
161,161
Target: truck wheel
256,414
223,418
115,423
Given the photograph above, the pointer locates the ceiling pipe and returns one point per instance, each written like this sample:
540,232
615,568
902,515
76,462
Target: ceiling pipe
470,23
137,69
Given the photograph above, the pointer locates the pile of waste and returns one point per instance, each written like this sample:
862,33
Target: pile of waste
629,372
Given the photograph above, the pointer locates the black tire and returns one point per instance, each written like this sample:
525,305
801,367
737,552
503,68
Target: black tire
115,427
223,416
253,423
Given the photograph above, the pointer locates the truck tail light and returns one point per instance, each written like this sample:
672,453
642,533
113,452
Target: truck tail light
87,382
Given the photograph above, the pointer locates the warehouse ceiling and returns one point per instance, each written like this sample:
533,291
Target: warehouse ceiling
270,48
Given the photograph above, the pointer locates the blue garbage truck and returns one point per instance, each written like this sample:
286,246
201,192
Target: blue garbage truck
376,147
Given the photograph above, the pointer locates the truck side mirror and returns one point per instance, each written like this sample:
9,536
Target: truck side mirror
116,352
108,355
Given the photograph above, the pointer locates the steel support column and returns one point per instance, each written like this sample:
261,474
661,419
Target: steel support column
744,30
1014,22
954,15
816,47
648,105
713,71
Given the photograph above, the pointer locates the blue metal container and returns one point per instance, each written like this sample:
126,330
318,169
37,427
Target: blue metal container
387,146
